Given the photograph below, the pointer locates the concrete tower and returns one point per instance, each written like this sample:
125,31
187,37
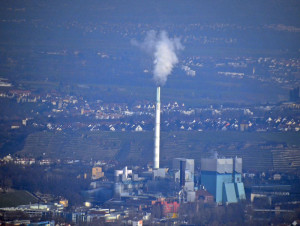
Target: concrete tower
157,130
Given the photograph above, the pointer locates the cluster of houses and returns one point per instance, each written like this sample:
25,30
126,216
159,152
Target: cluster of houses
97,115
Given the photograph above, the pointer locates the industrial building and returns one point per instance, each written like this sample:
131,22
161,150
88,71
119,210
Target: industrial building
170,208
184,175
97,173
222,177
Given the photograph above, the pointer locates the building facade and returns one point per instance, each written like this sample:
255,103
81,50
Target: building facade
222,177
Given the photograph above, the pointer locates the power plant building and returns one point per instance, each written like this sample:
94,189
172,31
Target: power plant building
185,172
190,164
222,177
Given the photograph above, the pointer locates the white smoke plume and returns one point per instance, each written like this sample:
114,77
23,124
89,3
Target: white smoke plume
163,49
188,70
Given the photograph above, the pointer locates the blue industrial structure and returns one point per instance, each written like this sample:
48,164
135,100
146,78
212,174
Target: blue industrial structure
222,178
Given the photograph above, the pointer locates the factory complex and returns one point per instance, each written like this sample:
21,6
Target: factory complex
219,181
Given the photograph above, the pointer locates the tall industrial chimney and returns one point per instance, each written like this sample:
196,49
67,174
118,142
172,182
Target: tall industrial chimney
157,130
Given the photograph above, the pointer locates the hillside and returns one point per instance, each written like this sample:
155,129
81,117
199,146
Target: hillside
276,151
16,198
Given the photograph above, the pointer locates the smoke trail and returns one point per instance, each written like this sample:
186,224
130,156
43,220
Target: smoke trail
188,70
163,49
